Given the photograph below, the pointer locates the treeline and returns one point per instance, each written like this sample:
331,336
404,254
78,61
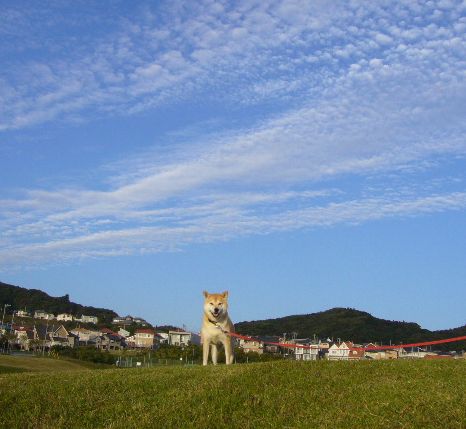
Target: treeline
191,353
85,353
34,299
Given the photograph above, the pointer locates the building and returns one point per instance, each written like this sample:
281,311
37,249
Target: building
345,351
142,338
110,340
162,337
252,345
86,336
61,337
41,314
24,337
22,313
89,319
123,333
382,354
65,317
123,321
183,338
306,350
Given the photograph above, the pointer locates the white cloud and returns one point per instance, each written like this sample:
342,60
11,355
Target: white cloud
358,89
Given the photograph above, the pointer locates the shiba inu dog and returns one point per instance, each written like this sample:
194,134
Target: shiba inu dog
214,327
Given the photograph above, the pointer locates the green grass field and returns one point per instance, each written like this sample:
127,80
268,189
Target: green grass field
378,394
11,364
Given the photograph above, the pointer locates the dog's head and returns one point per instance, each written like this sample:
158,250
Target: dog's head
215,304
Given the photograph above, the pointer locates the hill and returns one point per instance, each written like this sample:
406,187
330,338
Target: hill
407,394
349,324
10,363
34,299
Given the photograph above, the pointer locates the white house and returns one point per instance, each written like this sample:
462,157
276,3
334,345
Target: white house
41,314
163,337
251,346
142,338
345,351
183,338
123,321
89,319
22,313
65,317
123,333
307,351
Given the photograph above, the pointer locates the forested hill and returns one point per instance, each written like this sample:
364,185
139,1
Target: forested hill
348,324
33,299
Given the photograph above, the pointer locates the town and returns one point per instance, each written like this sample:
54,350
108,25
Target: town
44,333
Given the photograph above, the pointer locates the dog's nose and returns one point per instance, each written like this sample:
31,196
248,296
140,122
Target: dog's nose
216,310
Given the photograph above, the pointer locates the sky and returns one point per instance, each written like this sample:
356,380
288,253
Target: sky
301,155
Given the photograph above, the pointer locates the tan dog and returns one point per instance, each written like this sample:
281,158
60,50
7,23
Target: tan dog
216,322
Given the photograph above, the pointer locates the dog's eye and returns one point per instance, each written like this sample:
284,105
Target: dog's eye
211,303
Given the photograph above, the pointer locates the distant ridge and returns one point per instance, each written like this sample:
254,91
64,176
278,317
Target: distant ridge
34,299
349,324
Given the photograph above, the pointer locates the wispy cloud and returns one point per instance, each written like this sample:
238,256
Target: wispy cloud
286,50
359,91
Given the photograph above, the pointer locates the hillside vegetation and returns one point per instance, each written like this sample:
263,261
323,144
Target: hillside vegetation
322,394
34,299
349,324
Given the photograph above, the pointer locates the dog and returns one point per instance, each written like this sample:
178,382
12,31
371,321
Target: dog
214,327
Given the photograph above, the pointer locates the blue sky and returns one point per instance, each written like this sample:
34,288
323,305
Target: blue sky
303,155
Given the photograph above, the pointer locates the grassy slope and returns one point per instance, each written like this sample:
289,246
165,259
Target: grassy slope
30,363
408,394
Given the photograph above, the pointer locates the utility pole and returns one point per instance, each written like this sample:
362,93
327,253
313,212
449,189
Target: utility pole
4,308
12,319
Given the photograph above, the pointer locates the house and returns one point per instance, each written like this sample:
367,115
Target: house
306,350
86,336
110,340
143,338
65,317
415,353
123,321
183,338
41,314
22,313
345,351
61,337
162,337
89,319
252,345
123,333
382,354
24,337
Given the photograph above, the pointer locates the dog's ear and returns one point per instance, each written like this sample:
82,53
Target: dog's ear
205,293
225,294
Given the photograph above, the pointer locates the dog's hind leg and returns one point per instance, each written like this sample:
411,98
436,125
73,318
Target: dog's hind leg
214,353
205,353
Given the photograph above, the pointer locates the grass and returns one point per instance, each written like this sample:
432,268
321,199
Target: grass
10,364
379,394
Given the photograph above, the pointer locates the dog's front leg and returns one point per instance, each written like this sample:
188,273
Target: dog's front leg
214,354
205,352
228,351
